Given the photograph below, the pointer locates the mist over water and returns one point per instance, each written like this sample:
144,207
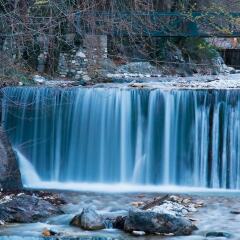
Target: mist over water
127,136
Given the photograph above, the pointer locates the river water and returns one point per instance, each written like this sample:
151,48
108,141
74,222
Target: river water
215,216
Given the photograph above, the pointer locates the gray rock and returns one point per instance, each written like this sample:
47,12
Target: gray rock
138,67
220,67
170,207
232,70
39,79
86,78
138,233
119,222
235,212
26,209
88,220
108,65
218,234
153,222
80,54
10,177
173,53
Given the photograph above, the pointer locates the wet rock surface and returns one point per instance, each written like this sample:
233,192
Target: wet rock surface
218,235
10,177
119,222
89,219
153,222
161,215
48,233
211,214
28,207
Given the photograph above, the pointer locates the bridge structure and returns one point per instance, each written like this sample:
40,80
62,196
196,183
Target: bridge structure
159,24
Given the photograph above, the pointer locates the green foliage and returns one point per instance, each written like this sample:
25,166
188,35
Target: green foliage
197,49
24,78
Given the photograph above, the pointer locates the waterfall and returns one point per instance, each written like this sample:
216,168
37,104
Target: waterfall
127,136
28,173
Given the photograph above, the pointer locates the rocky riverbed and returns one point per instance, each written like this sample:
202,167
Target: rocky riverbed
221,81
74,215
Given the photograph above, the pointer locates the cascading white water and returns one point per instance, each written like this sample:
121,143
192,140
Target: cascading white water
28,172
127,136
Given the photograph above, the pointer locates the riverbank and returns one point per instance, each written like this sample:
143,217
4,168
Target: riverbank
229,81
222,81
217,214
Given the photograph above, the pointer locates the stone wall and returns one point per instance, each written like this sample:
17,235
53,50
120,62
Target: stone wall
82,63
73,64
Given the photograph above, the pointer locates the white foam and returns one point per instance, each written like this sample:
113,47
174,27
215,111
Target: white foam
31,179
28,173
121,188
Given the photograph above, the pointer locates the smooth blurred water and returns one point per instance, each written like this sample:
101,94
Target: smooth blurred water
127,136
214,216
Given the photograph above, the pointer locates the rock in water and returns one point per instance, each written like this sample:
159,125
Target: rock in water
237,212
119,222
138,233
48,233
153,222
10,178
88,220
26,209
218,234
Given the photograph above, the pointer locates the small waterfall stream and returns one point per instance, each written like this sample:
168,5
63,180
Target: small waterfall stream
128,136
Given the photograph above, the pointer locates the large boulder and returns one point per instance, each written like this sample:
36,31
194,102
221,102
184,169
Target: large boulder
10,177
24,208
154,222
89,219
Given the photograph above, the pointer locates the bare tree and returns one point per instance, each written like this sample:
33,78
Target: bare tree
42,25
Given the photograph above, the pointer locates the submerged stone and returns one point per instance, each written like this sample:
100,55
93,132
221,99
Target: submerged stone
219,234
237,212
48,232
